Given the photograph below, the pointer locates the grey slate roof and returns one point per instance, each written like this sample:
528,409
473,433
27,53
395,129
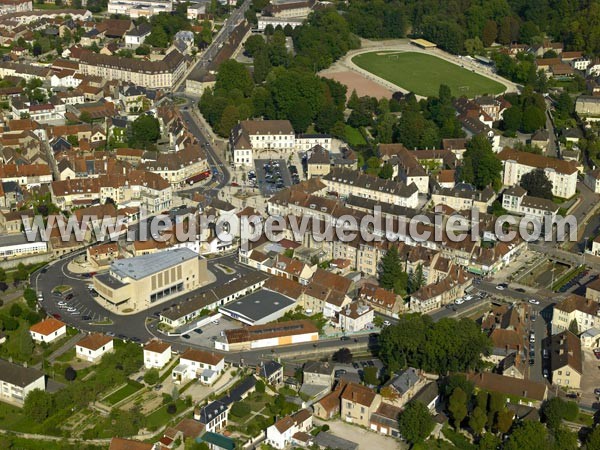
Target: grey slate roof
18,375
141,266
405,380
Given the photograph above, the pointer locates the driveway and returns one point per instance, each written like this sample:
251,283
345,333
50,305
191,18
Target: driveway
366,440
590,378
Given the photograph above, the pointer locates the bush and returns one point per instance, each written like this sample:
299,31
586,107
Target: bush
260,386
325,427
16,310
151,377
171,408
240,409
70,374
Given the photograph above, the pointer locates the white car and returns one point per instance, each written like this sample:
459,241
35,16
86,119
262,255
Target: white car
459,301
216,322
533,301
468,297
71,309
386,323
500,287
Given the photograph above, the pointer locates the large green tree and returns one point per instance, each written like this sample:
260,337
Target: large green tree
145,130
528,435
481,166
537,184
415,422
458,406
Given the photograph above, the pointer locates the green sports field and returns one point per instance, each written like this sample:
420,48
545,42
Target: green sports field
423,74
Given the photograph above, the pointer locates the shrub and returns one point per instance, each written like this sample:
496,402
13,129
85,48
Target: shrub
240,409
171,408
260,386
325,427
151,377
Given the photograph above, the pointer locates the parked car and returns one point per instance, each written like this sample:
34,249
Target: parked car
545,373
597,391
459,301
69,296
521,290
386,323
86,318
215,322
597,353
198,331
344,338
56,316
186,336
533,301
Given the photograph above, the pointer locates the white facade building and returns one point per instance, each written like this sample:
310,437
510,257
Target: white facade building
16,382
205,366
157,354
91,348
48,330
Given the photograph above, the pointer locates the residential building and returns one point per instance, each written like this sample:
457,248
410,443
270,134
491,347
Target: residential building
213,416
157,354
15,6
581,310
592,180
385,420
562,174
92,347
16,382
515,200
151,74
137,283
403,386
566,360
440,293
48,330
269,335
507,328
355,317
345,182
429,396
381,300
358,403
464,197
136,37
198,364
281,433
533,391
271,371
587,107
319,373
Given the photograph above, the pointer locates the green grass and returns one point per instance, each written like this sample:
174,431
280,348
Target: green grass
423,74
353,136
30,444
567,277
129,389
47,6
161,416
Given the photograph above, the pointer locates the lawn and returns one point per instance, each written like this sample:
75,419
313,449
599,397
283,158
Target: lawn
161,416
353,136
422,74
129,389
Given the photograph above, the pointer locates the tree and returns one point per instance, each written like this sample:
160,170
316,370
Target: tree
26,346
253,44
573,328
16,310
2,275
565,439
458,406
38,405
234,75
484,168
390,268
528,435
490,32
478,420
260,386
142,50
556,409
593,439
386,172
144,130
342,356
416,279
240,409
504,420
534,118
451,382
537,184
70,374
152,377
512,119
30,297
415,423
370,376
171,408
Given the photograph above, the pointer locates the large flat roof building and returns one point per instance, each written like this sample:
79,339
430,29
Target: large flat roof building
268,335
135,284
258,308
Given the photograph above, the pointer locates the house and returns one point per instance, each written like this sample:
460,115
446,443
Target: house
280,434
206,366
533,391
540,139
385,420
92,347
318,373
429,396
566,360
562,174
358,403
157,354
318,162
515,200
355,317
48,330
326,293
16,382
462,197
271,371
583,311
592,180
381,300
329,406
587,107
592,289
213,416
435,295
403,386
506,326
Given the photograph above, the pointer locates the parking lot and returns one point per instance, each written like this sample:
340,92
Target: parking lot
210,332
74,304
272,175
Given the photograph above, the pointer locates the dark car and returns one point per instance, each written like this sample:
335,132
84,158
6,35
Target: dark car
521,290
122,337
185,336
44,270
597,391
56,316
198,331
597,353
344,338
531,361
135,339
156,314
86,318
69,297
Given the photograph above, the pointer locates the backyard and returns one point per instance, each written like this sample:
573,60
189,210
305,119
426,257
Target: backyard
130,388
423,74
